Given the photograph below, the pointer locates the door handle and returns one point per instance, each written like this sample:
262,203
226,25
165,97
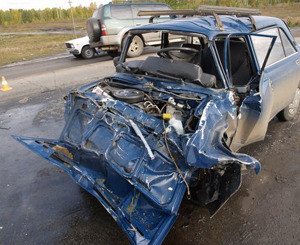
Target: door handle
138,24
298,62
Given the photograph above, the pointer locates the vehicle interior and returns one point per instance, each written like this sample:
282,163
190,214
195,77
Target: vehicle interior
184,58
190,59
242,72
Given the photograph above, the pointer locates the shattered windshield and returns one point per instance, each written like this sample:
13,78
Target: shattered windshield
177,56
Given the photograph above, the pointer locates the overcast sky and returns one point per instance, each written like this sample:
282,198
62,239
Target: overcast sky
41,4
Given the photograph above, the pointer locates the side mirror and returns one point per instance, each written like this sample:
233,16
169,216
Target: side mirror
116,61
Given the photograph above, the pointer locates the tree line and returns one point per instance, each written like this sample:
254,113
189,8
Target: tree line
20,16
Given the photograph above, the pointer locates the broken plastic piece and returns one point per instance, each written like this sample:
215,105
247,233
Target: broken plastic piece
139,133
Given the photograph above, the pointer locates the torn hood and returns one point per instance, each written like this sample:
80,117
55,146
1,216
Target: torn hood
101,150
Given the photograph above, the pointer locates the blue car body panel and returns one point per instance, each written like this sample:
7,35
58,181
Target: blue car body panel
207,25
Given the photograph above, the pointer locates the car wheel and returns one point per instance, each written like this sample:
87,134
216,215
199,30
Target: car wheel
77,55
87,52
113,53
291,110
136,47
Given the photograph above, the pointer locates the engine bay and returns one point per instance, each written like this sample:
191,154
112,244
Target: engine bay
177,110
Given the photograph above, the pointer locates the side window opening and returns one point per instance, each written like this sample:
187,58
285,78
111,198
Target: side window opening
240,64
287,46
281,49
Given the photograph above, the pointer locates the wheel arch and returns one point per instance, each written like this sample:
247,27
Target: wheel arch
86,45
124,37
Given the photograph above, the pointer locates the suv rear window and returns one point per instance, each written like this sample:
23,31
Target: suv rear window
137,8
121,12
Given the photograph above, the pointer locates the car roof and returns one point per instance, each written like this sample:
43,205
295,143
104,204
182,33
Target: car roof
208,26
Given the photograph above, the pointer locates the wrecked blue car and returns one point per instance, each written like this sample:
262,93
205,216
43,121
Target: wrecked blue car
171,123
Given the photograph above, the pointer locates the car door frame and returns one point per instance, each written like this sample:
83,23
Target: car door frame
254,111
282,77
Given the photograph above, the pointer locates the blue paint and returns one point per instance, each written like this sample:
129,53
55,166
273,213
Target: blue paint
207,25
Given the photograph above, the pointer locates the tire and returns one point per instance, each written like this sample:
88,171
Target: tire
93,29
290,112
113,53
87,52
77,55
136,47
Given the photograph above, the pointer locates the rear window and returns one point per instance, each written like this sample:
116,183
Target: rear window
137,8
121,12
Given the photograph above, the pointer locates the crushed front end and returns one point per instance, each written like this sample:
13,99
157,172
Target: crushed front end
139,143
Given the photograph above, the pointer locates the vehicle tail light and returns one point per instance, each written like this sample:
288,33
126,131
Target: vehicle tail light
103,30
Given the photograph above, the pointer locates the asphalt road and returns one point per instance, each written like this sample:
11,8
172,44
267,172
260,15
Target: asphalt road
51,63
40,204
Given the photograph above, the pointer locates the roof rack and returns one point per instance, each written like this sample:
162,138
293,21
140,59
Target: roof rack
204,10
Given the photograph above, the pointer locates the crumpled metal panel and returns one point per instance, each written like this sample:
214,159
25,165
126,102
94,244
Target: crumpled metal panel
206,148
254,115
103,154
140,219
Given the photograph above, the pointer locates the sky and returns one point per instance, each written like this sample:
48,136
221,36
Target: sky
41,4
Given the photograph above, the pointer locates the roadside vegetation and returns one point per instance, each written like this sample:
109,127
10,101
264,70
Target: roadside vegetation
22,16
18,48
58,25
288,9
291,13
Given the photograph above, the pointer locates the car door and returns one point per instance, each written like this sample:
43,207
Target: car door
255,109
281,69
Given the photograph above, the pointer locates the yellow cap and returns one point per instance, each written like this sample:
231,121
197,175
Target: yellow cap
167,116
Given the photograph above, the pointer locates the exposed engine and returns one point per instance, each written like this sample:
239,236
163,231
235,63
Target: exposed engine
176,110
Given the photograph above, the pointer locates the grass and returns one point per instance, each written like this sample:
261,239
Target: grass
26,47
45,26
291,14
